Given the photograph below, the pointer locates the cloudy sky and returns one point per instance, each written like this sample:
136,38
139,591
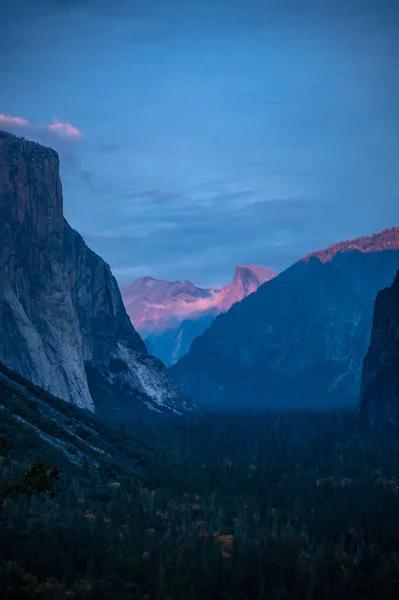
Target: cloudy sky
198,135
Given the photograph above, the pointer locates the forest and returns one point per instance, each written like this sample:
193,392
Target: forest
243,506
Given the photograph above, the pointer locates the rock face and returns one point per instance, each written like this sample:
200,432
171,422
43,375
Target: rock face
300,339
380,381
172,315
246,280
62,321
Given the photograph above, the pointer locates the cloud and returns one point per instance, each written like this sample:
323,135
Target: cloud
185,308
57,132
9,121
201,237
63,137
237,145
65,129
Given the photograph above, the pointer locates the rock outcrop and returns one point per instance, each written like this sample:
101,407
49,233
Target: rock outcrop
380,381
301,338
62,321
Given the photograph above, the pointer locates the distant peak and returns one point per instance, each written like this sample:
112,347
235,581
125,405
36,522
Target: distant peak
261,273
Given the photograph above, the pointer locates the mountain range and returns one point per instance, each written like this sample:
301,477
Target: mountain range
170,315
301,338
63,325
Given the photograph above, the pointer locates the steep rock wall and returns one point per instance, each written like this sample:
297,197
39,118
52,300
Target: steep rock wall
62,321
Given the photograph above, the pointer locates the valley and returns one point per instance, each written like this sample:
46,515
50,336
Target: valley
199,300
250,505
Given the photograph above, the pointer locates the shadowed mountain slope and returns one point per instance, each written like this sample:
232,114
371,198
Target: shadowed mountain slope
300,339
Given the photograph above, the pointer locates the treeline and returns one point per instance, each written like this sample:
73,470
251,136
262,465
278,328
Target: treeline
242,507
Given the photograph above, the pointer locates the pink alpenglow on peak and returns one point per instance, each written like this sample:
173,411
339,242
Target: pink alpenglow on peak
246,281
155,305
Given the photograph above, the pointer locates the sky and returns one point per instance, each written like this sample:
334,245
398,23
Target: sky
198,135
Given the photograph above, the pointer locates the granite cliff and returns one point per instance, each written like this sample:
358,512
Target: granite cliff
301,338
380,381
62,321
246,280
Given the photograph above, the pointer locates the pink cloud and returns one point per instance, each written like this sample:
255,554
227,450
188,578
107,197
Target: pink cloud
45,133
185,308
9,120
65,129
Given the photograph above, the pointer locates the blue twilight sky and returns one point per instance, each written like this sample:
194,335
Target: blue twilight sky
198,135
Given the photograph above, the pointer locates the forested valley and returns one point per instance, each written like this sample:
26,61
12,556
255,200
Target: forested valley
243,506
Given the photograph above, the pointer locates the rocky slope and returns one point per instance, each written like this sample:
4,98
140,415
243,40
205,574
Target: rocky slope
39,424
380,381
301,338
62,321
172,315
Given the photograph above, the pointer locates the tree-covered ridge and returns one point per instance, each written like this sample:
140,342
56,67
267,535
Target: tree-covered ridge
384,240
249,507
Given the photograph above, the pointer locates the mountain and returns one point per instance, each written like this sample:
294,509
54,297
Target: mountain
62,321
300,339
380,381
176,313
154,305
246,280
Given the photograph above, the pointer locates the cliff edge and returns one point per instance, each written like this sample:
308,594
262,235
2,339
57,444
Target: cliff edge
62,321
380,378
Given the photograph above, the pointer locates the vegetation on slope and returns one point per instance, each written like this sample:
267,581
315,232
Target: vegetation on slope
249,507
62,434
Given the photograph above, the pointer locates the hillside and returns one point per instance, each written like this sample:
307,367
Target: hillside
41,425
299,340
